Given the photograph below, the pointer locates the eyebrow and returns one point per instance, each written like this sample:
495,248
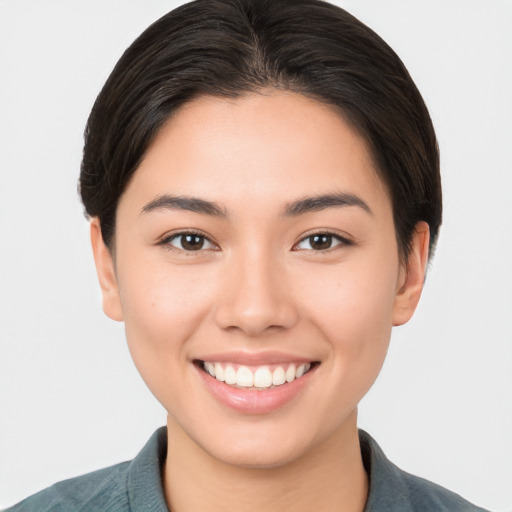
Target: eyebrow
191,204
321,202
299,207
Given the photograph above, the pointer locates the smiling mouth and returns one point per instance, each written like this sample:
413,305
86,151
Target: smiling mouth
259,378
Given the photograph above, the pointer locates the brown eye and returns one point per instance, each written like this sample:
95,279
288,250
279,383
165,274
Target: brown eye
192,242
321,242
189,242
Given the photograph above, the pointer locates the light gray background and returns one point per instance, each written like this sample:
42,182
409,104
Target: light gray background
70,398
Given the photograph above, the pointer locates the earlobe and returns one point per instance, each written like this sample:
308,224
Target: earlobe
412,276
106,273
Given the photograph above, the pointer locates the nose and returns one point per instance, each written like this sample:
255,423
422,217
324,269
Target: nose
255,297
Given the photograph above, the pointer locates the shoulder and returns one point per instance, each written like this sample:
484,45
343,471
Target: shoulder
105,489
425,496
394,489
128,486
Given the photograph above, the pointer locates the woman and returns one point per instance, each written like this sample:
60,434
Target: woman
263,184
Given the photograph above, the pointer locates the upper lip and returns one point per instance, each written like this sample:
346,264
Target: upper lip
254,358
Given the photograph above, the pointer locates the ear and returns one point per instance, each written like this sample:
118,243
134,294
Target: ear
106,273
412,276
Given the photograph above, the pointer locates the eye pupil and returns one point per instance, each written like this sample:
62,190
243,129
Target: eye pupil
320,242
192,242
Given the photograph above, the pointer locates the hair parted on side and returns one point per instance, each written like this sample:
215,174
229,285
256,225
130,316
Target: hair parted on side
228,48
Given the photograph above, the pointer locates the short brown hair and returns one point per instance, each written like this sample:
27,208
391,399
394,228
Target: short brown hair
228,48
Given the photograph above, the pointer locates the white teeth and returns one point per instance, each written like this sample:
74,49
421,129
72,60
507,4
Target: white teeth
262,378
278,376
219,372
300,371
244,377
290,373
230,375
210,369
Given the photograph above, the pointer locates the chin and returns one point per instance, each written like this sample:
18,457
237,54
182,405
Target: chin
261,446
258,455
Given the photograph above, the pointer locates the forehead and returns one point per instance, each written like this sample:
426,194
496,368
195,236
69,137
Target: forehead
265,147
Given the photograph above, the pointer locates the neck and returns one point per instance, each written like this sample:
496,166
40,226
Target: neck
329,477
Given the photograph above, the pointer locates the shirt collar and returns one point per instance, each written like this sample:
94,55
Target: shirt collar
387,490
145,489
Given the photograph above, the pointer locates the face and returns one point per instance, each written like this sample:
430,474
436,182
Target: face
257,272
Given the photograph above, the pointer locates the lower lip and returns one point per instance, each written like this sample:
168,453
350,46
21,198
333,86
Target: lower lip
253,401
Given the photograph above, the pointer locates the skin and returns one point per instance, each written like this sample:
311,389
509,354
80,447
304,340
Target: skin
260,286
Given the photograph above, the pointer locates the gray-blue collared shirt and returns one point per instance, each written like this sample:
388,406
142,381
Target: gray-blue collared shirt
137,486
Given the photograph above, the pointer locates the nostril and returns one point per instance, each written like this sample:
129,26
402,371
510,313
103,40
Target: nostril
253,320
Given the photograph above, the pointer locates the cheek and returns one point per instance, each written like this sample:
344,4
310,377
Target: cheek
355,296
352,307
162,306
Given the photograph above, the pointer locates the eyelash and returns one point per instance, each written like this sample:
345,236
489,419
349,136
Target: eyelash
166,241
342,241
